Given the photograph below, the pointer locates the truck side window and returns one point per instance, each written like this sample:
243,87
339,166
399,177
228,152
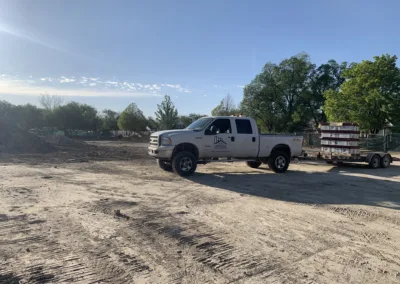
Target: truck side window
243,126
219,126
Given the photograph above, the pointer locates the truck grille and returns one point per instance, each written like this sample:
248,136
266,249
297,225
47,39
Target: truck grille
154,140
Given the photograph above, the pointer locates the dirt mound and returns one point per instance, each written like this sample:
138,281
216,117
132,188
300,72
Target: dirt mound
15,140
137,138
63,141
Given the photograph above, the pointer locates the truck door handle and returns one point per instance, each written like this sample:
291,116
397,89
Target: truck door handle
254,139
232,138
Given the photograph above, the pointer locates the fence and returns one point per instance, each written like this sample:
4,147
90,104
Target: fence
370,142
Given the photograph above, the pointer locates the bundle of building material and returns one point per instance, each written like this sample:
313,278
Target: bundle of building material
340,139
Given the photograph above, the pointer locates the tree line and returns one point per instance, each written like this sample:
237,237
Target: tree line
76,116
296,95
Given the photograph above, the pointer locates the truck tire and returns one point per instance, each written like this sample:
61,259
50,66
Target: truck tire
164,165
184,163
278,162
253,164
385,162
375,162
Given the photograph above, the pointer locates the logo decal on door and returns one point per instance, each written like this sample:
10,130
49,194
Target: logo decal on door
219,143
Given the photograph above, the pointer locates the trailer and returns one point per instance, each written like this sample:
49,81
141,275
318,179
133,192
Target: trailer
373,159
340,144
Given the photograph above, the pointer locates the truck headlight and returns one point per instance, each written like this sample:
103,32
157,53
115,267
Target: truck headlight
166,141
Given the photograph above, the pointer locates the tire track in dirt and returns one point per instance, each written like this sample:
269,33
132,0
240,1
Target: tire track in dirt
55,262
49,257
360,214
207,247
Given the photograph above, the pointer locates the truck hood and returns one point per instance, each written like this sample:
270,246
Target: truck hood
171,132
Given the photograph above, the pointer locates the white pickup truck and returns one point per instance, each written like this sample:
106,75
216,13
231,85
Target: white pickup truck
210,138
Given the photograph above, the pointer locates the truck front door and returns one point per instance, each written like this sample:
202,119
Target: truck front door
218,139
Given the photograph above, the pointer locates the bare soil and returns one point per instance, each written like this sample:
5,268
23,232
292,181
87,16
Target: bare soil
104,213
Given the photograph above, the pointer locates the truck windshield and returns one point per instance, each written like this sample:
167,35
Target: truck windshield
200,123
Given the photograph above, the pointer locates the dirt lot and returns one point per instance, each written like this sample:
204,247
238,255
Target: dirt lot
106,214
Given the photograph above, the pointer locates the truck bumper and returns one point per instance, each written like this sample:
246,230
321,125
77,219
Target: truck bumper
161,152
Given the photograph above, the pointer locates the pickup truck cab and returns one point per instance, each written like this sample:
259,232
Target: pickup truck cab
210,138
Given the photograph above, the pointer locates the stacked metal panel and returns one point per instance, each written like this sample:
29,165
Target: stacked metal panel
340,139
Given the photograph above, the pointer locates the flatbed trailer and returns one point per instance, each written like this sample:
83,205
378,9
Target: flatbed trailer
375,160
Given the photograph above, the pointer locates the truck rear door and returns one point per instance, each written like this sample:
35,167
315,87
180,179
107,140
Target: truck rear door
246,139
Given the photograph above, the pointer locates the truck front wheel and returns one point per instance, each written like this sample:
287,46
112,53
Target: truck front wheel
164,165
278,162
253,164
184,163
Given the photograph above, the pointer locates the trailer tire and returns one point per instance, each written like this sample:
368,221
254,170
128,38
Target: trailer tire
164,165
278,162
386,160
375,162
253,164
184,163
329,162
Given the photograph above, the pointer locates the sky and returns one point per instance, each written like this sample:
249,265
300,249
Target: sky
112,53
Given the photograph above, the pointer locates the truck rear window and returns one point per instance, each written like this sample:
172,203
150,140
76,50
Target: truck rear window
243,126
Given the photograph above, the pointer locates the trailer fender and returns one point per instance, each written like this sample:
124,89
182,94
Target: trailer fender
369,157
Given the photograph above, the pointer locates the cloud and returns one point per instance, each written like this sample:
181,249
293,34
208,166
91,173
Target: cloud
12,86
111,83
48,79
178,87
66,80
240,86
82,86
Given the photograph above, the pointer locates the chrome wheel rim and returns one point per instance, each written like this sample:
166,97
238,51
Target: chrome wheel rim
186,164
280,162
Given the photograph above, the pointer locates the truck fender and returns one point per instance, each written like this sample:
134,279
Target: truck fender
284,148
186,147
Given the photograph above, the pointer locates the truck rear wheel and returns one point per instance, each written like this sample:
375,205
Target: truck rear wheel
375,162
278,162
253,164
164,165
184,163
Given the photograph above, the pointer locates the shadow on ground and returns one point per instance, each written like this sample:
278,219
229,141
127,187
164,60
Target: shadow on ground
345,184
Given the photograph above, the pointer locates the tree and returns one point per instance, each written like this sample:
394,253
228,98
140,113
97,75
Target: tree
167,114
370,96
263,102
226,107
50,103
152,123
188,119
132,119
28,116
75,116
109,120
276,96
328,76
6,110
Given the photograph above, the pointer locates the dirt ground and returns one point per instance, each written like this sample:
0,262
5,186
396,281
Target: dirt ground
104,213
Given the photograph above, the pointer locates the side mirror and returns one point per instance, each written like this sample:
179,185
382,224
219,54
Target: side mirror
207,132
